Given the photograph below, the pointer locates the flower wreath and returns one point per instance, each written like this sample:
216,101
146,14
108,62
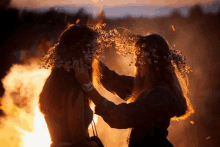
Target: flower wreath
64,57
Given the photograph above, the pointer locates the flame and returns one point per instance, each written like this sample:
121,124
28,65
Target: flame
24,125
40,136
173,28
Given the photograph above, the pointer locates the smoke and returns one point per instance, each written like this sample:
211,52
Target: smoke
23,85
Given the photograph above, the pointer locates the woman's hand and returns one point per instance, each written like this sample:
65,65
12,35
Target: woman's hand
81,73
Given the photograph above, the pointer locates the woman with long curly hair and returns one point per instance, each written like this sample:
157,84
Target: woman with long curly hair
158,92
62,101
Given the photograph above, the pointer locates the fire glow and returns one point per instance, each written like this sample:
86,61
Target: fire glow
24,124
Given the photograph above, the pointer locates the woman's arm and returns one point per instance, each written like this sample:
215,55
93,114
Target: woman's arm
117,84
155,105
141,112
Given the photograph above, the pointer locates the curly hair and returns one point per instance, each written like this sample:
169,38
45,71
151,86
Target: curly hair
72,44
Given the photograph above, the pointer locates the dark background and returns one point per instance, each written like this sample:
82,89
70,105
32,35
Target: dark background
196,35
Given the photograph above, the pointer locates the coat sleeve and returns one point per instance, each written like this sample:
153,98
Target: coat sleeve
117,84
155,105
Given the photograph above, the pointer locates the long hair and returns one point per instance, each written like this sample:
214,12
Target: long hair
161,69
71,45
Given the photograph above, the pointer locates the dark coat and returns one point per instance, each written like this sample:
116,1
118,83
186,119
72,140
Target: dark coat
149,116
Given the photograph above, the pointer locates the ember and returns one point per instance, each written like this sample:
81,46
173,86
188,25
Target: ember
173,28
208,137
192,122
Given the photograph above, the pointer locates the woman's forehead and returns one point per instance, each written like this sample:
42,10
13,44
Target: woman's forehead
141,49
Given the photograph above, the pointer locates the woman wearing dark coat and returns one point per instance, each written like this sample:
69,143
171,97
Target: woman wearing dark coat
62,101
158,93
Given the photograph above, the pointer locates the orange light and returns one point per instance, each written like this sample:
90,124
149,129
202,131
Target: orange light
95,118
173,28
24,125
40,132
208,137
77,21
100,18
96,74
192,122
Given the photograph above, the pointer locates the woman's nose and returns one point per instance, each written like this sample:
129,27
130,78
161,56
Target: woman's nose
137,64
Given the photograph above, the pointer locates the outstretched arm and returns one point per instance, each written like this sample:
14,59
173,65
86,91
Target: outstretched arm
155,105
117,84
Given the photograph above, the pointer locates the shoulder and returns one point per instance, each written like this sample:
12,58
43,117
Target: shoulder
48,83
49,86
52,80
158,96
161,90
